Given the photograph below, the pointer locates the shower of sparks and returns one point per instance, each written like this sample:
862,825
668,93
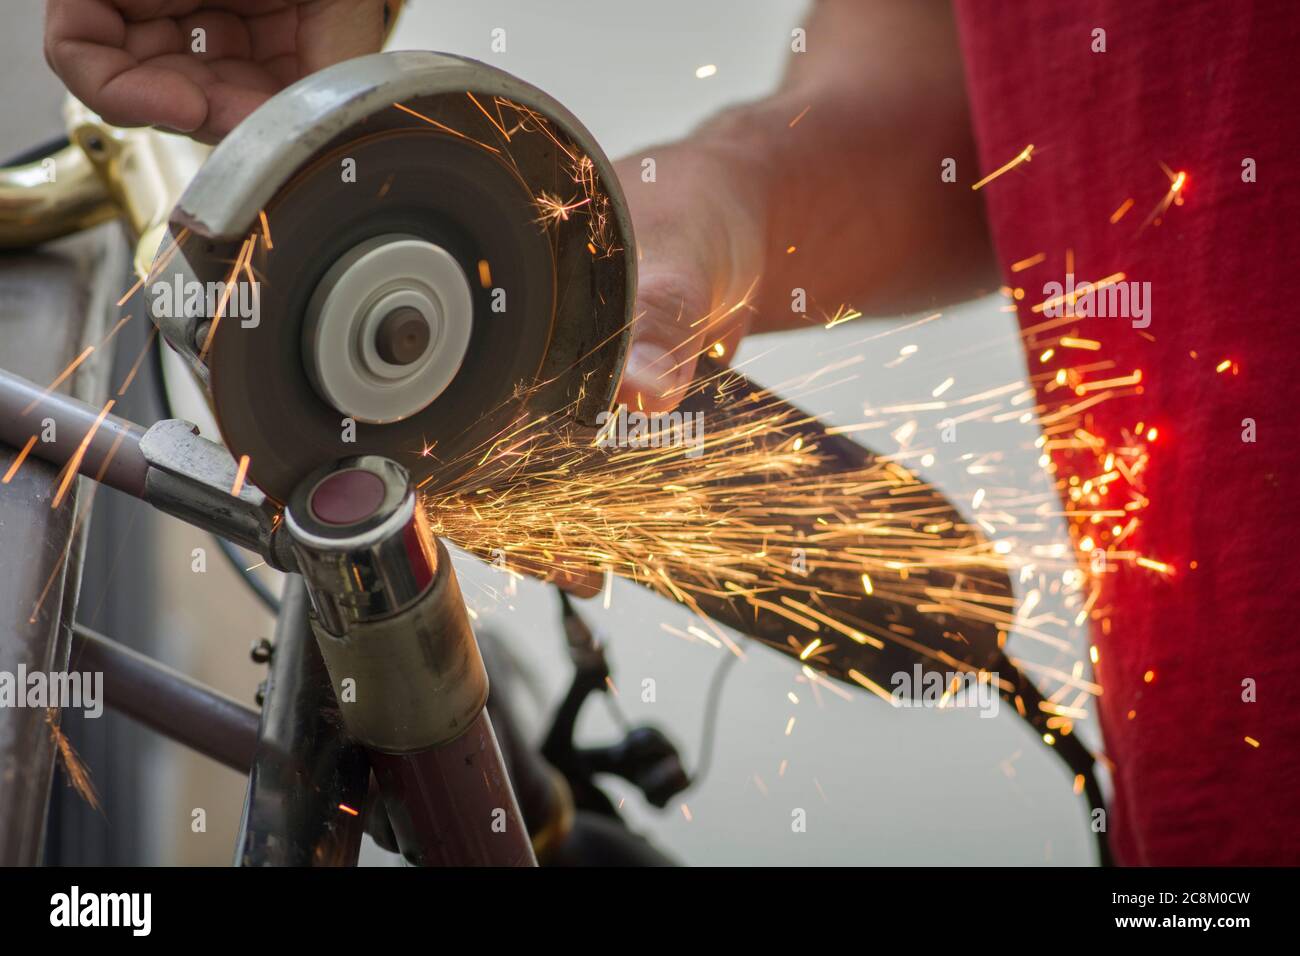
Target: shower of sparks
1022,157
728,527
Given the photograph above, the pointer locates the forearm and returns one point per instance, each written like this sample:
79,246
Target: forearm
844,163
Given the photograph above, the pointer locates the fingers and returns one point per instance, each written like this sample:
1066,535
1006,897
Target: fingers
671,298
85,44
697,252
195,68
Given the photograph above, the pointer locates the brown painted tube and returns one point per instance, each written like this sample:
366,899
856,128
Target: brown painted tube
453,805
168,702
112,456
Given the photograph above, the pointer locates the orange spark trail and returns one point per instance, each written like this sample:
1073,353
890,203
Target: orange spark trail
1022,157
240,474
18,461
74,463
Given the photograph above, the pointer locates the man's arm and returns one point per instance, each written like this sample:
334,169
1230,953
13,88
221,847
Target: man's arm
854,185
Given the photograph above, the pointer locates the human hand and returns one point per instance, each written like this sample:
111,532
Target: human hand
700,233
146,63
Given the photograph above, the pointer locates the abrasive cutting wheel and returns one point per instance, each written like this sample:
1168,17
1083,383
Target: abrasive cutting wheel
432,250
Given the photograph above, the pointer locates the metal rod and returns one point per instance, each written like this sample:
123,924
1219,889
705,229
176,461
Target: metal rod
393,630
453,805
112,455
308,786
166,701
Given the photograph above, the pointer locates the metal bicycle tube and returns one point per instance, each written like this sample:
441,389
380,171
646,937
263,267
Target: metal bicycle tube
308,783
395,636
167,701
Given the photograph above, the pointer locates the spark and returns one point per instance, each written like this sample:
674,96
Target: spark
1028,262
1070,342
60,378
491,119
842,314
1174,195
1252,741
70,470
872,686
446,129
135,366
555,210
18,461
240,474
1022,157
706,71
1080,290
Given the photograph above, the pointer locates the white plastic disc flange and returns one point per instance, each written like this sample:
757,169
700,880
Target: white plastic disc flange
343,317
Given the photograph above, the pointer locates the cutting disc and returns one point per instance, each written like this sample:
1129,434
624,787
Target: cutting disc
484,204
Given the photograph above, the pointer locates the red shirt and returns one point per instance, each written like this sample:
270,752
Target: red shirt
1200,87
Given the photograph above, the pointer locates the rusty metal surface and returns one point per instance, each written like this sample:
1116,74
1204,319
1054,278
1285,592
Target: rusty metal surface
47,314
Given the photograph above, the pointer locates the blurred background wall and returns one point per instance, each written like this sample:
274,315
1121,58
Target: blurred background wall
879,785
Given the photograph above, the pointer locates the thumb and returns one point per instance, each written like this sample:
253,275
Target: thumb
696,237
671,300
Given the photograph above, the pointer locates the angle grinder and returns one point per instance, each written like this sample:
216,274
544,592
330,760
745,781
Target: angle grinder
400,255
